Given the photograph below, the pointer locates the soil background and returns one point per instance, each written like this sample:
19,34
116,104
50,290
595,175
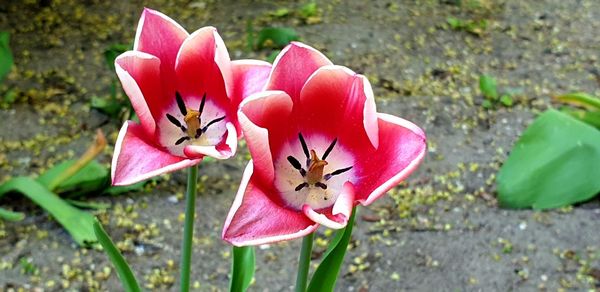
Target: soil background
442,230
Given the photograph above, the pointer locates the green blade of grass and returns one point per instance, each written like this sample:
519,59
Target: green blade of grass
78,223
126,276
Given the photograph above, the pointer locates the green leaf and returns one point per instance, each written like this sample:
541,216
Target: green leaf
126,276
591,118
487,85
581,99
276,37
93,177
506,100
6,57
553,164
326,274
10,215
242,268
78,223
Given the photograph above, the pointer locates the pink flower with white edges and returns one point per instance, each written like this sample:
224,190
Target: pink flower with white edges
318,148
186,93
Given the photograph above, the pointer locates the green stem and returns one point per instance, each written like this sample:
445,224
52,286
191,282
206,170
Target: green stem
304,262
188,229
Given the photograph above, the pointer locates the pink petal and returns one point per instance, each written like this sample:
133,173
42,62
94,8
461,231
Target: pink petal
293,66
249,77
336,217
198,72
402,147
140,77
135,159
339,102
254,219
160,36
224,150
262,115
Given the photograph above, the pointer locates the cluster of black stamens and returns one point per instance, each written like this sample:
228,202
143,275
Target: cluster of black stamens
188,117
296,164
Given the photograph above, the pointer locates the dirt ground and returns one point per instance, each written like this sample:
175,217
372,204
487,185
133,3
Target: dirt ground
440,231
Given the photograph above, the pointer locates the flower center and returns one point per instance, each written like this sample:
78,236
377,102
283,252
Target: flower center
314,176
193,128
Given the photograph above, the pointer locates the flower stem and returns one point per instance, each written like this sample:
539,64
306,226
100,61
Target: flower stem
304,262
188,229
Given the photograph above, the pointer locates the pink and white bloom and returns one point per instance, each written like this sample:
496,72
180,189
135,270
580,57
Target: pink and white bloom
186,93
318,149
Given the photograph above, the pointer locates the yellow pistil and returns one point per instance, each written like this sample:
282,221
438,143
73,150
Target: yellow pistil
315,168
192,121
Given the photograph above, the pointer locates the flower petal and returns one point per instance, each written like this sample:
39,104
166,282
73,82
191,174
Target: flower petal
129,166
402,147
139,74
223,150
262,115
249,77
254,219
293,66
199,73
337,216
337,101
160,36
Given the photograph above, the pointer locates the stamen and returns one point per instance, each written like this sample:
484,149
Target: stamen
321,185
212,122
339,171
304,147
329,149
180,103
301,186
176,122
202,103
181,140
296,164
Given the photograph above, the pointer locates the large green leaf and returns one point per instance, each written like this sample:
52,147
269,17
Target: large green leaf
327,273
126,276
556,162
6,57
93,177
242,268
78,223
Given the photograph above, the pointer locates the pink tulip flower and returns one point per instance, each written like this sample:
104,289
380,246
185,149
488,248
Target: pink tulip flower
318,148
186,93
